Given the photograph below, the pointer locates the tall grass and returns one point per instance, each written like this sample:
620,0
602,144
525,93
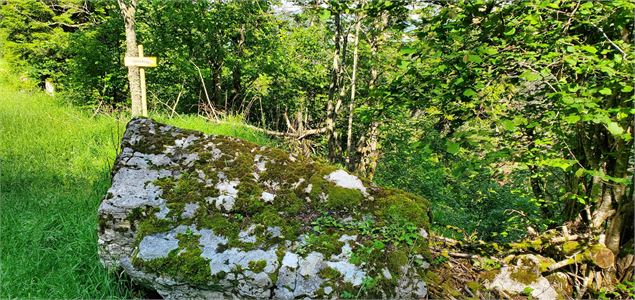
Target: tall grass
54,169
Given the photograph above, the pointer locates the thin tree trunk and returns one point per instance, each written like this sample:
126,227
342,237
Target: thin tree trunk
351,105
216,75
236,71
368,149
209,103
128,9
368,145
342,93
333,90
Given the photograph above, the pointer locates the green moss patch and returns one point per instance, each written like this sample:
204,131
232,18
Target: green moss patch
257,266
524,275
385,222
184,263
330,273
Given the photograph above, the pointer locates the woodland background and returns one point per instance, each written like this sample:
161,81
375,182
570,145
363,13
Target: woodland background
511,117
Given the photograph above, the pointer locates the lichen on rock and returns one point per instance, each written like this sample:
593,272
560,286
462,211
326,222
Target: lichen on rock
193,215
522,279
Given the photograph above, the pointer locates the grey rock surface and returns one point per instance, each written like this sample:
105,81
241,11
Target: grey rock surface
198,216
540,288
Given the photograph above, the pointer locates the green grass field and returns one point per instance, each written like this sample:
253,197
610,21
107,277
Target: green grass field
54,170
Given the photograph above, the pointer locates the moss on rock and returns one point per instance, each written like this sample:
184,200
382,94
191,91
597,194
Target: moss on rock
259,198
524,275
396,259
183,263
330,273
257,266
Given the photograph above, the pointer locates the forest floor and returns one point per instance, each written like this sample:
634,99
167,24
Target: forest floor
55,165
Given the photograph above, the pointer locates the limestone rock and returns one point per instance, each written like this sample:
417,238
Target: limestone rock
198,216
518,280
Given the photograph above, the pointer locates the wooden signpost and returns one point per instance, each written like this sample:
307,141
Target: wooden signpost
142,62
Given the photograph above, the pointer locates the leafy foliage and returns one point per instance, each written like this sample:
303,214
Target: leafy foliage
506,114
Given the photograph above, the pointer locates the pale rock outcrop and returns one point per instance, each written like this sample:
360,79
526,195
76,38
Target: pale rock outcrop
198,216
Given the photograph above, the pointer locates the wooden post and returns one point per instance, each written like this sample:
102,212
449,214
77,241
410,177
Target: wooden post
142,77
141,62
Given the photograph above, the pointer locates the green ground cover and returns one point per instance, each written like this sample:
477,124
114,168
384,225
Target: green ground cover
54,170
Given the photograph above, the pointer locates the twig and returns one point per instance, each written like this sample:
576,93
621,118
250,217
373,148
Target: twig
176,103
572,237
532,69
566,26
467,289
306,133
286,119
462,255
585,284
298,135
563,263
445,239
200,75
610,41
596,27
97,109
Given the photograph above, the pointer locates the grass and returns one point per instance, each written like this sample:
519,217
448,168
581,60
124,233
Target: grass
54,169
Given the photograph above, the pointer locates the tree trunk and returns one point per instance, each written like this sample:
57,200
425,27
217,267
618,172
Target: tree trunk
613,207
368,145
216,75
368,149
351,105
608,211
236,71
128,9
333,91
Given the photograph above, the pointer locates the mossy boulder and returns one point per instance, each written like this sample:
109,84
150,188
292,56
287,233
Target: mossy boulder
517,280
525,278
198,216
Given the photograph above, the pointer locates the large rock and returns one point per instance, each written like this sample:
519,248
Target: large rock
525,278
193,215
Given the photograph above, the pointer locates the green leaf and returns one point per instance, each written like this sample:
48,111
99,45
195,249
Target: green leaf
532,19
572,119
489,50
553,5
469,93
378,245
403,65
530,76
627,88
579,173
520,121
589,48
617,58
561,163
452,148
605,177
606,91
325,15
511,31
407,50
587,5
475,58
570,60
509,125
614,128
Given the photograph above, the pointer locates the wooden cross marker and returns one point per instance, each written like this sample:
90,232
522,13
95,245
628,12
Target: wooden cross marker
142,62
